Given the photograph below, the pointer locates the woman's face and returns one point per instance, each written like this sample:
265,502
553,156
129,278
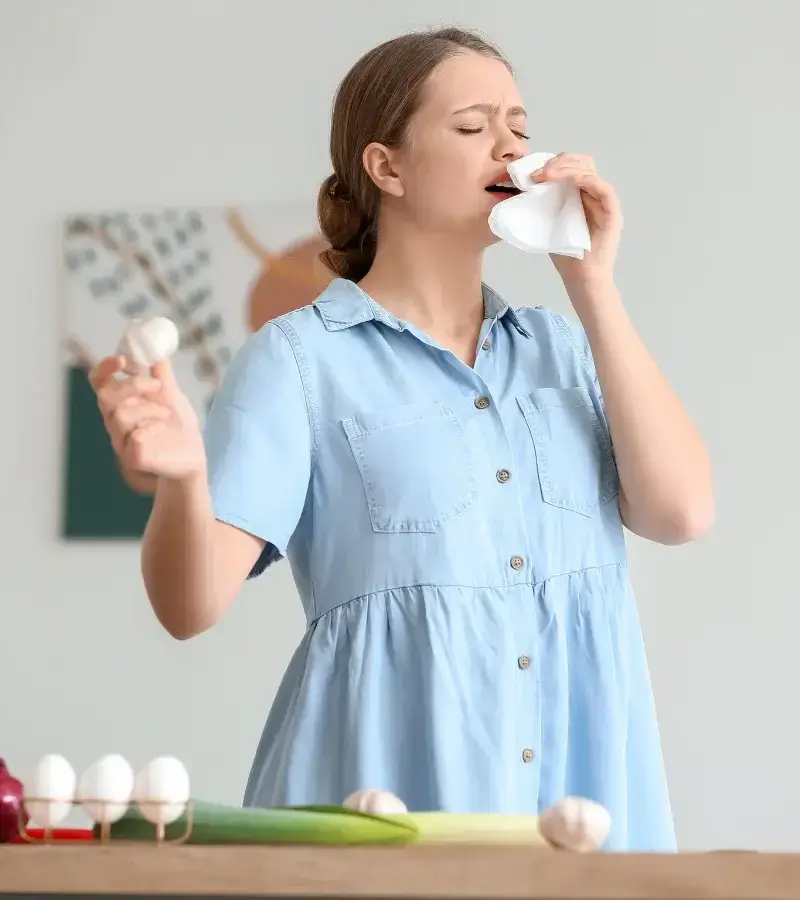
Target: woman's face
469,126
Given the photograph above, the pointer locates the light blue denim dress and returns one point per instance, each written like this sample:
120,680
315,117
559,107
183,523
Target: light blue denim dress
473,642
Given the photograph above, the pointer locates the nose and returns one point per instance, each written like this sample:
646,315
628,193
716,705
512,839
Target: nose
507,147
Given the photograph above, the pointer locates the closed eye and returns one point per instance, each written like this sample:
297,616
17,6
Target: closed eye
521,135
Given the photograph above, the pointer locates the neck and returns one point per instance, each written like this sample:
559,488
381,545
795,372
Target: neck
428,280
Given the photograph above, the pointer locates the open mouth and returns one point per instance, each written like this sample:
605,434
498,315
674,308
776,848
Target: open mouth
504,188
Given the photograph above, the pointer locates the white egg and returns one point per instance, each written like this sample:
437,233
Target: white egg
379,803
49,792
146,342
105,788
161,790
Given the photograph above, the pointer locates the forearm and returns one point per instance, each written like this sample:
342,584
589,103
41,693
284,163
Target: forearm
665,475
178,558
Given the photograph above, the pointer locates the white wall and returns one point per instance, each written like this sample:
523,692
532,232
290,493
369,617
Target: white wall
690,108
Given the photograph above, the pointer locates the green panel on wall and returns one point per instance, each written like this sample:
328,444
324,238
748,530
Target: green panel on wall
97,504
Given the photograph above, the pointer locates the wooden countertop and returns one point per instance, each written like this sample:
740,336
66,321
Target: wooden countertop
441,871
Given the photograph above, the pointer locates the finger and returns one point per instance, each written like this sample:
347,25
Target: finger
586,180
115,392
559,173
163,371
121,428
140,452
104,371
134,412
572,160
126,420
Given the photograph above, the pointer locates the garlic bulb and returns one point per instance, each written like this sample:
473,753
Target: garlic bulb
575,824
146,343
376,802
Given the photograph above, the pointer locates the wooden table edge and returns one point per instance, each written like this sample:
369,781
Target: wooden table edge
441,871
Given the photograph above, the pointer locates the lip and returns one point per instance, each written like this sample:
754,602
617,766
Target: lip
501,194
502,175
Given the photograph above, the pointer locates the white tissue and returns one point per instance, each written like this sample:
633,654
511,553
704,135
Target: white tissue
544,218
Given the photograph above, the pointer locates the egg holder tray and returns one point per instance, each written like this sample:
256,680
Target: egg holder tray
102,831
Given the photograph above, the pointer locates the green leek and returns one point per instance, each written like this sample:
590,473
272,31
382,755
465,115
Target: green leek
210,824
471,828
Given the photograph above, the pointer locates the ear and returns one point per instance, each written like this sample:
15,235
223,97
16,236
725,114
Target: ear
377,160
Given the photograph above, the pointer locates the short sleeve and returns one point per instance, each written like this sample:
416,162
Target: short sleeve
258,443
576,334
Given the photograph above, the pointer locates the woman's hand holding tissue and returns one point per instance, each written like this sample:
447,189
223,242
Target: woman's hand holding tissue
603,216
666,492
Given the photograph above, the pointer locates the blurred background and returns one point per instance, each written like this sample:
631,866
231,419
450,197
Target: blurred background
169,152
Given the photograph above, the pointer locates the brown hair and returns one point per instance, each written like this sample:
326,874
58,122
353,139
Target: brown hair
375,102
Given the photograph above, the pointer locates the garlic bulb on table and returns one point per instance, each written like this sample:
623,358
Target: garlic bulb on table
376,802
575,824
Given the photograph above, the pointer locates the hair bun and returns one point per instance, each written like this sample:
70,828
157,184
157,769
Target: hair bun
334,187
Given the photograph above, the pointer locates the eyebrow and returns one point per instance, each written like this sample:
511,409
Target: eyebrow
491,109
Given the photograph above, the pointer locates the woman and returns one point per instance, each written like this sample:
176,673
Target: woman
438,469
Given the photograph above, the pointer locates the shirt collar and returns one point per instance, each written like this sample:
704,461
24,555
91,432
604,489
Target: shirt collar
343,304
496,307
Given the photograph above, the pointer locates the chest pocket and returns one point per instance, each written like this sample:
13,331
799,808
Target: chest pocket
415,465
574,457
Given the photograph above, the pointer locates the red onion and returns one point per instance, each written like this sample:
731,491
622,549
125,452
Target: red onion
10,805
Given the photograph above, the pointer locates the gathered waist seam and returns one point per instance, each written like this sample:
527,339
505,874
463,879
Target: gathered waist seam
469,587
